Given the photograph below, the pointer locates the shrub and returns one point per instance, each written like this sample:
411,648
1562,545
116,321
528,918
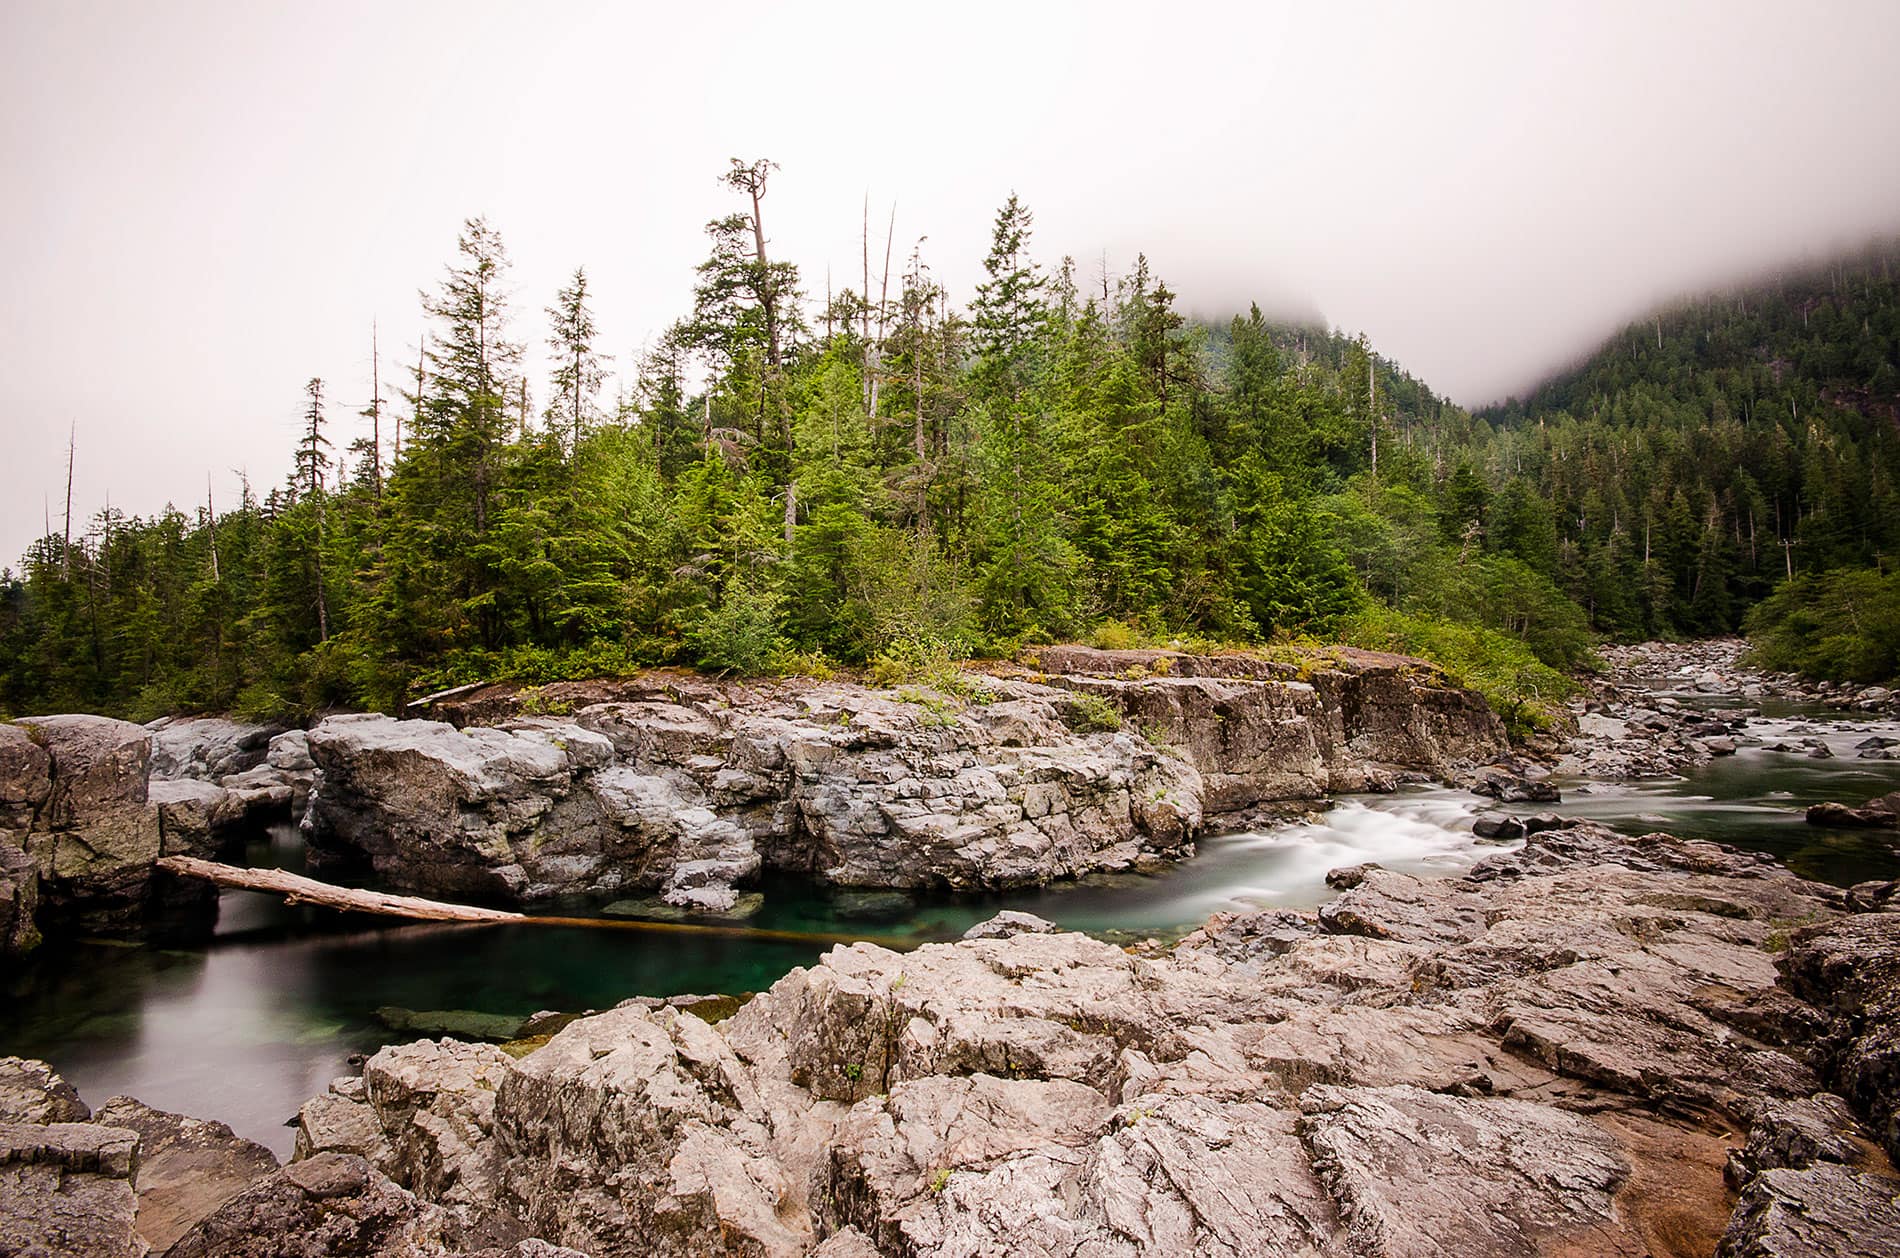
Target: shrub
740,635
1092,714
1526,693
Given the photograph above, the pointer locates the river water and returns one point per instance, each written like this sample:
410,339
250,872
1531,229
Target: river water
247,1027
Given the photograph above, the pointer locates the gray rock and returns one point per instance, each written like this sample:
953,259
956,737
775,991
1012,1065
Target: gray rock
1798,1132
19,899
187,1167
1010,922
66,1191
1824,1211
1415,1173
332,1205
1852,968
31,1093
206,748
690,788
1513,1062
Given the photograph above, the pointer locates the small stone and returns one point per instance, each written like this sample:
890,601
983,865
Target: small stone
1497,827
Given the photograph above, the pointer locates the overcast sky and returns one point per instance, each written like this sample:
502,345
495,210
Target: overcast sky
207,204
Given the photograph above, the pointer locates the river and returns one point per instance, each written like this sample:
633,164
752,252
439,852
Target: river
247,1027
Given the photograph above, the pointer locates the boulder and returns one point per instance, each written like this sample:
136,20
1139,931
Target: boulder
1416,1173
1498,827
206,748
1823,1211
332,1205
96,836
1845,817
187,1167
19,899
66,1191
1851,968
1010,922
31,1093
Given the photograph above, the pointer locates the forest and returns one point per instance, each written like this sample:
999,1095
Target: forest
891,481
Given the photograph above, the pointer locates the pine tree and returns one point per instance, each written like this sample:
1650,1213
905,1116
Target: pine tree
577,370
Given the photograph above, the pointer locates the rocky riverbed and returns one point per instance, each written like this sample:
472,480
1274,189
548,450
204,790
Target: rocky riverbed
1591,1045
1646,716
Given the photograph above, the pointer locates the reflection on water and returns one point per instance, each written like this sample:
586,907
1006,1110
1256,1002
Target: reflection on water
261,1019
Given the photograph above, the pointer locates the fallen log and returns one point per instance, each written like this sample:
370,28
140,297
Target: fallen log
297,889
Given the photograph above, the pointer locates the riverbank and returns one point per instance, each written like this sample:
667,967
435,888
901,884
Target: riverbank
1662,707
1639,1044
676,792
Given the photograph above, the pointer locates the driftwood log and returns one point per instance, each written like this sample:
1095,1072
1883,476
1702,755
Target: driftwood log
297,889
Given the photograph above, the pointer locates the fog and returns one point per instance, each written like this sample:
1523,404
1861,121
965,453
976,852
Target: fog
208,204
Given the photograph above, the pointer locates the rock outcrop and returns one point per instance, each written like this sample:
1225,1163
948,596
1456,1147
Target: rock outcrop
690,787
65,1183
227,777
1565,1052
77,831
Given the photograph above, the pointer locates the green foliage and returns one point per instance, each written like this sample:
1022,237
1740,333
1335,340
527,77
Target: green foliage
740,634
915,485
1842,626
1089,714
1527,693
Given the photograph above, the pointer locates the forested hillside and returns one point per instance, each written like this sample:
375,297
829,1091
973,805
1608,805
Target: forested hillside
1721,447
895,480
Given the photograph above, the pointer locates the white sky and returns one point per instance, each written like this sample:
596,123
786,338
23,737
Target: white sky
206,204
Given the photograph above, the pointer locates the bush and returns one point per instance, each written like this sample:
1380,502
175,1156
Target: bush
1092,714
740,635
1842,625
1527,694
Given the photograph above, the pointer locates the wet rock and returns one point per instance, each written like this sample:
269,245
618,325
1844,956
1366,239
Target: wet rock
1720,746
872,906
1843,816
741,905
466,1024
187,1167
1818,750
1509,786
1498,827
1824,1211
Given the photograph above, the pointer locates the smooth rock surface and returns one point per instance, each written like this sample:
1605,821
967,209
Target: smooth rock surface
188,1167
